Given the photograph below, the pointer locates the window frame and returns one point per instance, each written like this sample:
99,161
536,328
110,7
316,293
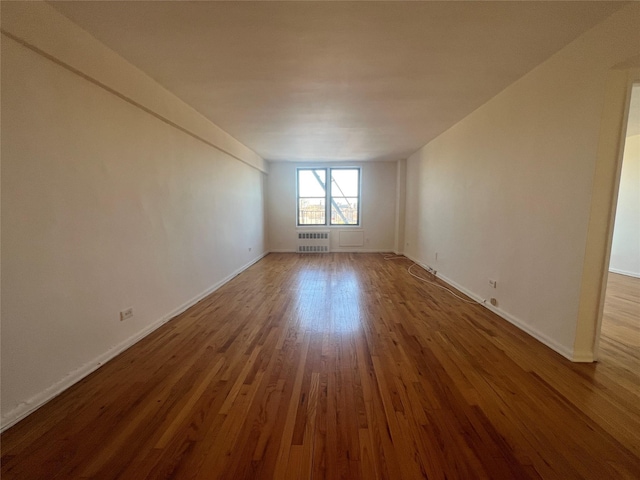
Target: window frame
328,197
298,197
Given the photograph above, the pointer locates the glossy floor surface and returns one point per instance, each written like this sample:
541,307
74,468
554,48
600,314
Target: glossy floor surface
344,366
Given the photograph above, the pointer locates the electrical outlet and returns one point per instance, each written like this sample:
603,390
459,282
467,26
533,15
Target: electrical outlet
249,248
493,283
126,314
436,256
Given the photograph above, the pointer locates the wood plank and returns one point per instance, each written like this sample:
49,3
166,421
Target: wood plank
344,366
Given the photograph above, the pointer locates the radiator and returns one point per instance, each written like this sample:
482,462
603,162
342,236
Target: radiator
313,242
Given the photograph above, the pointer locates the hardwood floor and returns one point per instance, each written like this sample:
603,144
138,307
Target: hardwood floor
343,366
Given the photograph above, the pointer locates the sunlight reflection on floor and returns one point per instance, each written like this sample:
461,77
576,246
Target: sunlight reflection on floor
328,301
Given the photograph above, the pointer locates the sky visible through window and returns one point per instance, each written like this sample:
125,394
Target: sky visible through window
345,183
309,185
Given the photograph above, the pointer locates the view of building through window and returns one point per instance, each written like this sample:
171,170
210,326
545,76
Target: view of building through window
342,194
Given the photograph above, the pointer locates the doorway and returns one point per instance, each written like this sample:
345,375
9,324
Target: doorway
620,328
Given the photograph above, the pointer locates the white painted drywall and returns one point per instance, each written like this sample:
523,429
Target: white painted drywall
378,206
401,199
506,193
104,206
625,249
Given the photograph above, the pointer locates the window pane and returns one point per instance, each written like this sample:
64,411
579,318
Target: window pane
312,183
344,210
311,211
345,183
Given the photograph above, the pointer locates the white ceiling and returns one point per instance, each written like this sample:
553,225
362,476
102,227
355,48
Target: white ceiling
336,80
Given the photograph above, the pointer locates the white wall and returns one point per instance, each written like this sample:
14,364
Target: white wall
378,206
105,205
506,193
625,249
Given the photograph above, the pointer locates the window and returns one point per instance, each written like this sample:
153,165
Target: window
345,196
312,196
340,196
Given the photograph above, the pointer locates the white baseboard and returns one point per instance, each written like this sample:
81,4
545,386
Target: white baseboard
624,272
359,250
336,250
583,357
566,352
32,404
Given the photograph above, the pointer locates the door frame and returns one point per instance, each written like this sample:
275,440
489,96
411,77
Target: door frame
604,199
